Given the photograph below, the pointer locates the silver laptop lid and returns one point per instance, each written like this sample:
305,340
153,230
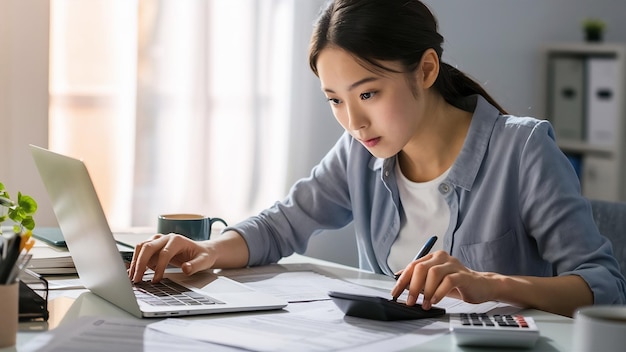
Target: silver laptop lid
78,211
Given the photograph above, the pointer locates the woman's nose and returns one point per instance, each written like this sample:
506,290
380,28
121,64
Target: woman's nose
356,119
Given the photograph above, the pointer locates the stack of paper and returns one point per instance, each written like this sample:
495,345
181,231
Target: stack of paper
48,259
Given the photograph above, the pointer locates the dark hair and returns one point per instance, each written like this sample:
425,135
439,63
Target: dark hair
390,30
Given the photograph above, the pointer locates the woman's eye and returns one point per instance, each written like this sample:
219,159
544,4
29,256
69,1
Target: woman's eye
367,95
333,101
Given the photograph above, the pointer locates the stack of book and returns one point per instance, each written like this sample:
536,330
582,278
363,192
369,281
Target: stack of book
50,259
50,255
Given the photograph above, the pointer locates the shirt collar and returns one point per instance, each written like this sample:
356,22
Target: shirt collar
378,163
467,164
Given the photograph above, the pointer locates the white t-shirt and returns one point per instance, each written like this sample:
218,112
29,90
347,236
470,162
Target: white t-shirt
424,214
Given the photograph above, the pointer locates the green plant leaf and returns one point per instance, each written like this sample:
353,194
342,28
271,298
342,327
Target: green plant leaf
21,213
17,214
28,223
594,24
27,203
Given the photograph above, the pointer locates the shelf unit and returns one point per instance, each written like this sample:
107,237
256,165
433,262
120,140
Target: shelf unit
586,103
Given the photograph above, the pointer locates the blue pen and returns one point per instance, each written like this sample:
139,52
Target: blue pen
423,251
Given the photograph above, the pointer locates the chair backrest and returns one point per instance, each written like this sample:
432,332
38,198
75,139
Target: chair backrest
611,220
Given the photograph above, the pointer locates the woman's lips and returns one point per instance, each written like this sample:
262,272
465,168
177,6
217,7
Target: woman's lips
371,142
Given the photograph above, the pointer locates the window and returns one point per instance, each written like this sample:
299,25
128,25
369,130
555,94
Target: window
175,106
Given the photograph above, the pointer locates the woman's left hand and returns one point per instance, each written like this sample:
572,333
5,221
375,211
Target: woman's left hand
437,275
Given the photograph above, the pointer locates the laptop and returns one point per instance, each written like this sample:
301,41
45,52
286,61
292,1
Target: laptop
101,267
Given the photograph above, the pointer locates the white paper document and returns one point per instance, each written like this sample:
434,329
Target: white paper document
313,324
105,334
306,285
453,305
303,286
321,326
324,328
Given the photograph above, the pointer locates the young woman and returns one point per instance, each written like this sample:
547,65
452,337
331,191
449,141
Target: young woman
426,152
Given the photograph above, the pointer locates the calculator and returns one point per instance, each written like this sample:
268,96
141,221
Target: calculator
475,329
378,308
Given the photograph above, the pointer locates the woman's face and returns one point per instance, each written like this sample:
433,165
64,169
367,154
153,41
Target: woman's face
379,109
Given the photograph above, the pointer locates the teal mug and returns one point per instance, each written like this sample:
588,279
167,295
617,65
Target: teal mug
193,226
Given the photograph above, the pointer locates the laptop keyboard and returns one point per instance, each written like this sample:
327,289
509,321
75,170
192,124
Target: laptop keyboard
168,293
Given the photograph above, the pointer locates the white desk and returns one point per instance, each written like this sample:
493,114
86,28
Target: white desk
556,331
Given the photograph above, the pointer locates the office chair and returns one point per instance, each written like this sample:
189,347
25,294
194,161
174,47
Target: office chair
611,220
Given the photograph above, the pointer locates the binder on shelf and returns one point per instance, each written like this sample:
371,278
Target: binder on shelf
600,178
566,99
590,127
602,110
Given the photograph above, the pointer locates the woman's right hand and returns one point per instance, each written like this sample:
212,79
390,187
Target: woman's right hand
161,250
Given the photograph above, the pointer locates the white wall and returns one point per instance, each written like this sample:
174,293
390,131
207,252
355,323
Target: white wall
313,131
24,97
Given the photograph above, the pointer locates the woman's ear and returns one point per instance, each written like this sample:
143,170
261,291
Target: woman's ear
428,69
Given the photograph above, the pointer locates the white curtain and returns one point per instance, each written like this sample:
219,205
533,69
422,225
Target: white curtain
207,92
93,65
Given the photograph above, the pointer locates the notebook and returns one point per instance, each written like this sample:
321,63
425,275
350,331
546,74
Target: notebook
98,261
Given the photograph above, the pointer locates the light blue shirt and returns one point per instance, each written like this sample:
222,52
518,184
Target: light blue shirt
514,198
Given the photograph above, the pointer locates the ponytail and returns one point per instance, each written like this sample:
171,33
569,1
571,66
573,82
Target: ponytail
453,84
